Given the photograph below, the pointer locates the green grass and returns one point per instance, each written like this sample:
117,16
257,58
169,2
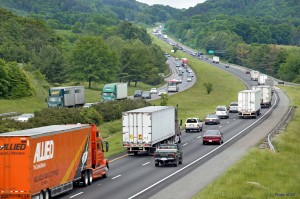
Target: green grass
262,173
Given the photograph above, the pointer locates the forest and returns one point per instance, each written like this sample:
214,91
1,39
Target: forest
104,40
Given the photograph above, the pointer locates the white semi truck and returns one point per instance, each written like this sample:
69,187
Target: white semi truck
249,103
145,128
266,95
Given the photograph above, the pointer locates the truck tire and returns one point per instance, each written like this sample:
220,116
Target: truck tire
47,194
156,164
41,195
90,176
85,179
181,160
176,163
106,172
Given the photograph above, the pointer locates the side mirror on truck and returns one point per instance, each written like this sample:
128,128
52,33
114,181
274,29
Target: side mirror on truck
106,146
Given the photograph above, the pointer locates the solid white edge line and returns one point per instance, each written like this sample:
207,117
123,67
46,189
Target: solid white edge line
76,195
205,154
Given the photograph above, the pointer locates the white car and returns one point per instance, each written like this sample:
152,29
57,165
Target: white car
162,91
88,105
153,90
189,79
233,107
25,117
221,112
193,124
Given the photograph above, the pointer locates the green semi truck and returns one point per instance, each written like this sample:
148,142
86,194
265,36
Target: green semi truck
114,91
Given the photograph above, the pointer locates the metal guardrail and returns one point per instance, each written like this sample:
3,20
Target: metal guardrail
10,114
278,126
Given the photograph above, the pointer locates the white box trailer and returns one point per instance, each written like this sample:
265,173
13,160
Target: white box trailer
122,91
216,59
145,128
79,96
266,95
254,75
249,103
262,79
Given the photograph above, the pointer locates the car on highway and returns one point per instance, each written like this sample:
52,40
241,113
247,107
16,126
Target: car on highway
24,117
179,80
153,91
190,74
212,119
247,72
189,79
212,136
177,65
162,91
222,112
226,66
137,93
233,107
192,124
146,95
168,153
88,105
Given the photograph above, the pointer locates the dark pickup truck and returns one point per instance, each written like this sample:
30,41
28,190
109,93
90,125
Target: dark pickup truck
168,153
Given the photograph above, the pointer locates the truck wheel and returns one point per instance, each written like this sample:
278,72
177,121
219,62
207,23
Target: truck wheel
90,175
106,172
41,195
176,163
85,179
47,194
156,164
181,160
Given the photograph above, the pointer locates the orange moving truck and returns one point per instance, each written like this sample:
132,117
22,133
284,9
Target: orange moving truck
47,161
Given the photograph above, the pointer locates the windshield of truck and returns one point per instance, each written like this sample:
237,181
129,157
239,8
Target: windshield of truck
168,147
191,121
108,94
172,83
54,99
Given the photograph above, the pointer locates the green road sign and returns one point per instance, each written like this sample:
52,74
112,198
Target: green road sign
211,51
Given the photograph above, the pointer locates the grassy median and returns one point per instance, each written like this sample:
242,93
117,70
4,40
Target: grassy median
262,173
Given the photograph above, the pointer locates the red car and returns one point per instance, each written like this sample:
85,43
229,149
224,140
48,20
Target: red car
212,136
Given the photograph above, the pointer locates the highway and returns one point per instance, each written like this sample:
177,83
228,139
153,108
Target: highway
137,177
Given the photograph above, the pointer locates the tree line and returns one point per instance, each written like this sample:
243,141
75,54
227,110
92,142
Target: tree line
123,52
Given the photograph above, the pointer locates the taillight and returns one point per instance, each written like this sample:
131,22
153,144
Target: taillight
155,154
174,155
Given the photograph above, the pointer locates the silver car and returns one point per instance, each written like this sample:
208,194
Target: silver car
233,107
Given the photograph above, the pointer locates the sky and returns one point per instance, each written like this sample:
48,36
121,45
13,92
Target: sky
173,3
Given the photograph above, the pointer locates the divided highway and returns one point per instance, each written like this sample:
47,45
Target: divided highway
137,177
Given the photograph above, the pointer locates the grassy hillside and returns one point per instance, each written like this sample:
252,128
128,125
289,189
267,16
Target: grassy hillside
262,173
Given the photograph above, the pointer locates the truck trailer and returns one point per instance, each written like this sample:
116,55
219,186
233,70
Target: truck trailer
216,59
69,96
145,128
249,103
114,91
173,85
254,75
262,79
266,95
44,162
